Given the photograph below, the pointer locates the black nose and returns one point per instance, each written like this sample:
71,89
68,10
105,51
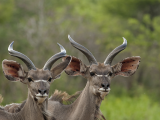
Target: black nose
105,86
42,91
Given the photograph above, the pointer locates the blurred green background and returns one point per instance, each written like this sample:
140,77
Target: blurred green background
37,25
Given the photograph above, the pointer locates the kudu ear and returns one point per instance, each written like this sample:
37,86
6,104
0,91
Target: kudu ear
76,67
12,70
127,67
57,70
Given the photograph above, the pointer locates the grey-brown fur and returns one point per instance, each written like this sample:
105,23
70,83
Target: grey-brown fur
85,107
30,111
32,108
38,82
98,75
64,98
14,107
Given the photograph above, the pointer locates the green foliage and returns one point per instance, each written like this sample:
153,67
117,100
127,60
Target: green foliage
128,108
36,26
6,10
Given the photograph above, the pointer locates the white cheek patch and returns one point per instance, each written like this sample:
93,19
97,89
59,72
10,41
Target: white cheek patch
41,98
104,90
40,95
101,89
40,81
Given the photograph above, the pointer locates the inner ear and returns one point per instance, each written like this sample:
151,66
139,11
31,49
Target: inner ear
74,64
127,67
75,67
12,70
130,64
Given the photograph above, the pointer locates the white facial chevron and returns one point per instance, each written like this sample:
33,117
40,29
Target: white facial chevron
40,81
101,75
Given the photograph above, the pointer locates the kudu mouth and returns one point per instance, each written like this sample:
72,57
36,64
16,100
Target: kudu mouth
40,98
42,95
104,90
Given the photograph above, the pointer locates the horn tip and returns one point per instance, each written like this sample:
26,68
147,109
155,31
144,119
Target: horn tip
59,44
62,48
10,47
70,39
124,41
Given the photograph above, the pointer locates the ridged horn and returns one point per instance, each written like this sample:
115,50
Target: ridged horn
84,50
115,52
54,58
21,56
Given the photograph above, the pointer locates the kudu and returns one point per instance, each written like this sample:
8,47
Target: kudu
38,82
98,75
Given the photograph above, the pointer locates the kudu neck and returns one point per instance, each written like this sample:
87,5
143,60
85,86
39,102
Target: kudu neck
32,110
88,96
87,103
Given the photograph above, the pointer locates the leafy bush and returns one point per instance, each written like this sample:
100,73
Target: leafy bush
128,108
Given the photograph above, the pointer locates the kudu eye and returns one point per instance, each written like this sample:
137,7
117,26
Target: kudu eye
30,79
110,74
50,79
92,73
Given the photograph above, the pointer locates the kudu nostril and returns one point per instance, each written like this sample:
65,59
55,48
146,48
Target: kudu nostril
102,85
105,86
42,91
45,91
39,91
108,85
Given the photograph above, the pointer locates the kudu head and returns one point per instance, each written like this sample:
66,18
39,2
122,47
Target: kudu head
99,75
37,80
